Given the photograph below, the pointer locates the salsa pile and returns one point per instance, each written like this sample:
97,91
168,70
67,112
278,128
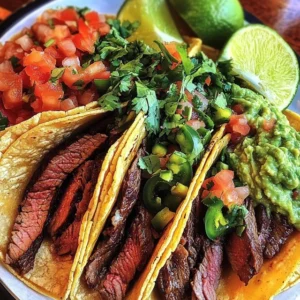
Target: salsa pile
49,66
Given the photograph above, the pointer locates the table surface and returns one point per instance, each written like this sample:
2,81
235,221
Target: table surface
282,15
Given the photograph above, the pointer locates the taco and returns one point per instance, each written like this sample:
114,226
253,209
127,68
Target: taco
237,215
51,177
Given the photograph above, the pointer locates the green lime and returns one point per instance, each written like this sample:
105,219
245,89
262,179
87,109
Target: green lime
156,22
214,21
265,61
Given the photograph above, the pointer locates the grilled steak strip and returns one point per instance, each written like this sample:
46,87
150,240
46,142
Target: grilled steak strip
112,237
71,197
280,231
173,281
132,258
67,242
207,275
263,225
245,252
28,229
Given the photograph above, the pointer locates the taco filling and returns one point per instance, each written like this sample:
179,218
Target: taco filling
246,208
58,196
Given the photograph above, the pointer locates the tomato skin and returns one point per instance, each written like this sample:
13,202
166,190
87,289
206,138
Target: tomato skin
38,65
238,124
83,44
104,29
11,86
93,19
42,31
68,14
268,125
238,109
50,95
67,47
60,32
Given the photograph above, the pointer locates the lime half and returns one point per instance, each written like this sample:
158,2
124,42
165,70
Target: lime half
266,62
156,22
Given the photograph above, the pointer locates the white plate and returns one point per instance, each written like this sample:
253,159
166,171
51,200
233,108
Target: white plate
18,289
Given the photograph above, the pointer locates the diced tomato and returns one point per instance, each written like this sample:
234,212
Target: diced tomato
25,79
55,53
95,71
60,32
87,97
67,104
68,14
93,19
172,49
23,115
72,61
83,44
164,161
208,81
196,124
67,47
25,42
268,125
238,124
6,66
9,114
222,186
243,192
69,77
104,29
50,94
42,31
11,86
238,109
39,65
11,49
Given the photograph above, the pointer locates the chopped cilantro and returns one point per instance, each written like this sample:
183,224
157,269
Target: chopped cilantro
79,84
56,74
51,23
15,61
186,61
109,102
3,122
49,43
151,163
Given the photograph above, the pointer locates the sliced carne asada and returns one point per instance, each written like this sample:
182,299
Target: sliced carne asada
86,179
208,274
181,278
263,225
244,252
27,233
280,231
113,235
71,197
132,258
173,281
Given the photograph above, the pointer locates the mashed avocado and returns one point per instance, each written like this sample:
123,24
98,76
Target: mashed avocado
269,161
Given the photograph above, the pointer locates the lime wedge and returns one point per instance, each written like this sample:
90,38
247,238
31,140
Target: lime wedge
156,22
265,61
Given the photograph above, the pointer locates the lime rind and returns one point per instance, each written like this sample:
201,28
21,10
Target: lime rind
265,61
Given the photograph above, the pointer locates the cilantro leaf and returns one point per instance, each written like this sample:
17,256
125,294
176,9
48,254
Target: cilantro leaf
126,28
109,101
220,101
151,163
3,122
147,102
186,61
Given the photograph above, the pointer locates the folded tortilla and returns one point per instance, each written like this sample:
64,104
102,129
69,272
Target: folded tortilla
51,274
10,134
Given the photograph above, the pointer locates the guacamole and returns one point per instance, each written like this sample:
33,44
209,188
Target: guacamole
269,161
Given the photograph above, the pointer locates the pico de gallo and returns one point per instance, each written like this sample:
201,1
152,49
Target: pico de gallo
49,66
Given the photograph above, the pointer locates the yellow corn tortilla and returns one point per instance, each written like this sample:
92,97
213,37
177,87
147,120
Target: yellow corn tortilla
107,199
10,134
51,273
275,276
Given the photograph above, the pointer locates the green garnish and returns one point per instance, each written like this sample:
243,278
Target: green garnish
15,61
79,84
56,74
151,163
49,43
3,122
